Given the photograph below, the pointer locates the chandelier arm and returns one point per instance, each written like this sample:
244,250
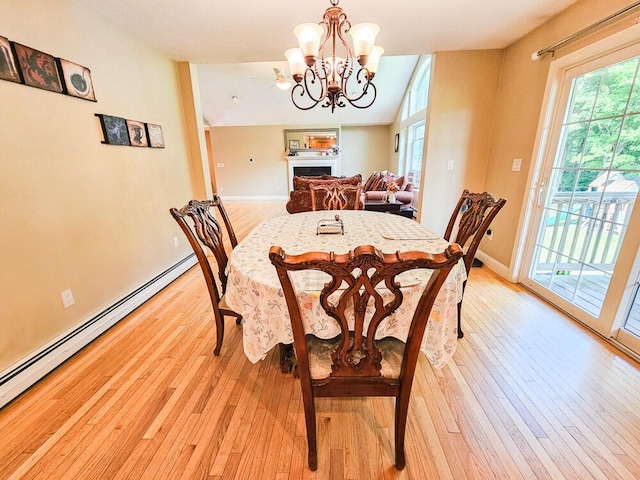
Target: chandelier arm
293,99
313,74
370,88
363,72
334,21
346,26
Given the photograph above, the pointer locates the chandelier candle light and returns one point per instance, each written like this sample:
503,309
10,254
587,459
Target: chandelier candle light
323,76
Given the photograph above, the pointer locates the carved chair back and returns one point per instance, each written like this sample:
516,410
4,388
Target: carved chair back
470,220
335,196
363,291
204,229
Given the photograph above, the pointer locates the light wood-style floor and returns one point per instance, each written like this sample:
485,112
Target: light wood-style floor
529,394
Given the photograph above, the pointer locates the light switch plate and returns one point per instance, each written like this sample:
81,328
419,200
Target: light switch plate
516,164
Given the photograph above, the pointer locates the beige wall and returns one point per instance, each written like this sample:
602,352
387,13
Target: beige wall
364,149
76,213
459,128
235,146
518,111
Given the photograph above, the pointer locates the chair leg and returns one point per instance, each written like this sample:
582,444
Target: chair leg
310,420
219,333
220,327
286,357
402,406
460,332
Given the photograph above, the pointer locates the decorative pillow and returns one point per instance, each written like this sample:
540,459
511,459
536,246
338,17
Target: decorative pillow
302,183
370,181
379,184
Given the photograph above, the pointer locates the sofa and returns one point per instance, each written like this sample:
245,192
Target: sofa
375,188
300,196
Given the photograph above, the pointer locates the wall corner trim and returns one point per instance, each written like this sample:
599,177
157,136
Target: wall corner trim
22,375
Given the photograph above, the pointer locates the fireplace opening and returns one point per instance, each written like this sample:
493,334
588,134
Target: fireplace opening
312,171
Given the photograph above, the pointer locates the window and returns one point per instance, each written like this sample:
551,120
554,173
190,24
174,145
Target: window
413,124
418,93
415,147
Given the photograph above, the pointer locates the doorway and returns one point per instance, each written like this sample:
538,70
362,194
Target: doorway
588,188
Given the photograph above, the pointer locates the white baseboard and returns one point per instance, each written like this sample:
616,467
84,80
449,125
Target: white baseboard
493,264
22,375
257,197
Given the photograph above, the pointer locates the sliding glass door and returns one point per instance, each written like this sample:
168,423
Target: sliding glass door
588,189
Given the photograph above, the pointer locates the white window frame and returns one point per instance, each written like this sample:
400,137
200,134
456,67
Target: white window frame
414,115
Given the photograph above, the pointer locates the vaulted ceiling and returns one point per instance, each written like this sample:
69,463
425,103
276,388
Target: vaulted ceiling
236,45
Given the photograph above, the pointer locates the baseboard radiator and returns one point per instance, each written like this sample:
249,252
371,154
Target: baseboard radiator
22,375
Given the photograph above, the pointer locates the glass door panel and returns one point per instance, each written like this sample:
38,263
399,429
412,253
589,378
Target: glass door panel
632,323
594,179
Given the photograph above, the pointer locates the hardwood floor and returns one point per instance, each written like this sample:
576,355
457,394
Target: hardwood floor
529,394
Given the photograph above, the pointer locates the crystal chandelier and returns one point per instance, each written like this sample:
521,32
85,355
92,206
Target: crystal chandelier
321,75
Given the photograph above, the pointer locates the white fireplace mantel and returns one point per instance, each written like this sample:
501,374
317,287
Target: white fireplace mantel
311,160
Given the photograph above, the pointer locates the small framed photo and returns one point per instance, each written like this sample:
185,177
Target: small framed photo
137,133
77,80
154,132
294,144
8,67
38,69
396,145
114,130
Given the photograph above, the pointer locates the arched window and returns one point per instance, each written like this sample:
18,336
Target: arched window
418,93
413,123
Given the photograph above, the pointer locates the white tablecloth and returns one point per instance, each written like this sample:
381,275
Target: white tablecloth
254,291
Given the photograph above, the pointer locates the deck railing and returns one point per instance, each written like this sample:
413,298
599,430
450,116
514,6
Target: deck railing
585,227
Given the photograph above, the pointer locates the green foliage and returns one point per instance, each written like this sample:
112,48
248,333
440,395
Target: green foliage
602,126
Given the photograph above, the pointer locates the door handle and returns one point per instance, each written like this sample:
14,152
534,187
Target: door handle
543,186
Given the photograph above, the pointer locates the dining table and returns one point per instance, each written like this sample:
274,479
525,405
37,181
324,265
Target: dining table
254,291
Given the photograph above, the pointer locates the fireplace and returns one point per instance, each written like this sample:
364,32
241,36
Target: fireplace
312,166
313,171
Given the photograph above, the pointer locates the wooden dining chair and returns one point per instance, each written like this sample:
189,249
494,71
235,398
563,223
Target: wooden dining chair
335,196
204,229
469,222
355,364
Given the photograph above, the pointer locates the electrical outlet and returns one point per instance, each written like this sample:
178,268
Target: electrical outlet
67,298
221,165
176,242
450,165
490,234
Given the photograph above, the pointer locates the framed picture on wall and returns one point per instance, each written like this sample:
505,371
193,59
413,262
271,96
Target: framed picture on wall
77,80
38,69
114,130
154,132
137,133
8,67
294,144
